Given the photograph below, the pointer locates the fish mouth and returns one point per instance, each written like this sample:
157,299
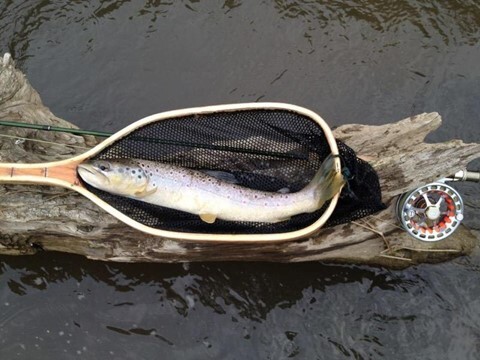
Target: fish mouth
89,174
88,168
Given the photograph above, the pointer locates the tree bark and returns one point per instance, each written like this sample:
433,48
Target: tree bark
36,218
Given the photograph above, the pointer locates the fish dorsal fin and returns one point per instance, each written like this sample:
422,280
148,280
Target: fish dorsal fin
208,218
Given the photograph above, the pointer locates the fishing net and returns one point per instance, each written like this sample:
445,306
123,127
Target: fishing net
268,150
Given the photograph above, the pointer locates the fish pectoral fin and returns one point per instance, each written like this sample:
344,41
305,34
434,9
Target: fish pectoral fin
145,192
208,218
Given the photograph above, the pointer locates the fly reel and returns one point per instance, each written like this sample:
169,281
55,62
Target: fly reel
431,212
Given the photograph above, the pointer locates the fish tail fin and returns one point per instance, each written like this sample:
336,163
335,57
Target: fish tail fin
327,182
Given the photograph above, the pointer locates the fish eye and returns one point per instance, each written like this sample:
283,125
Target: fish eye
103,167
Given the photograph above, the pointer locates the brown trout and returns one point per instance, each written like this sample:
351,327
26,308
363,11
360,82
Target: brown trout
209,197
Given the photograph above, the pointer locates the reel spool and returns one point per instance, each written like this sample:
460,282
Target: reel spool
431,212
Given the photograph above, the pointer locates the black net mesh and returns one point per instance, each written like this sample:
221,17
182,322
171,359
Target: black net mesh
361,195
268,150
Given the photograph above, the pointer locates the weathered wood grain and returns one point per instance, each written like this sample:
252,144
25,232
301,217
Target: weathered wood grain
35,218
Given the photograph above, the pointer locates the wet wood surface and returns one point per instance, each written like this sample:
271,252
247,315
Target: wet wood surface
42,218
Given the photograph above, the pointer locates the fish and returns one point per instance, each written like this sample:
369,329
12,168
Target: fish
207,196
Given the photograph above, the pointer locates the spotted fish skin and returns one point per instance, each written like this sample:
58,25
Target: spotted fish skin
209,197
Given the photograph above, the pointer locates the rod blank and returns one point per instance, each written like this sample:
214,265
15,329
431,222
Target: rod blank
54,128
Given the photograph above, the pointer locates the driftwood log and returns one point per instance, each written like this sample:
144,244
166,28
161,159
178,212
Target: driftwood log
37,218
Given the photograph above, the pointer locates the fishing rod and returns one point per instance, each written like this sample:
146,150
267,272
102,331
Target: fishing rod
154,140
54,129
462,175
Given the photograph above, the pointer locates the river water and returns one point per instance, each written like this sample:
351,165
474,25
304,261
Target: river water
104,64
